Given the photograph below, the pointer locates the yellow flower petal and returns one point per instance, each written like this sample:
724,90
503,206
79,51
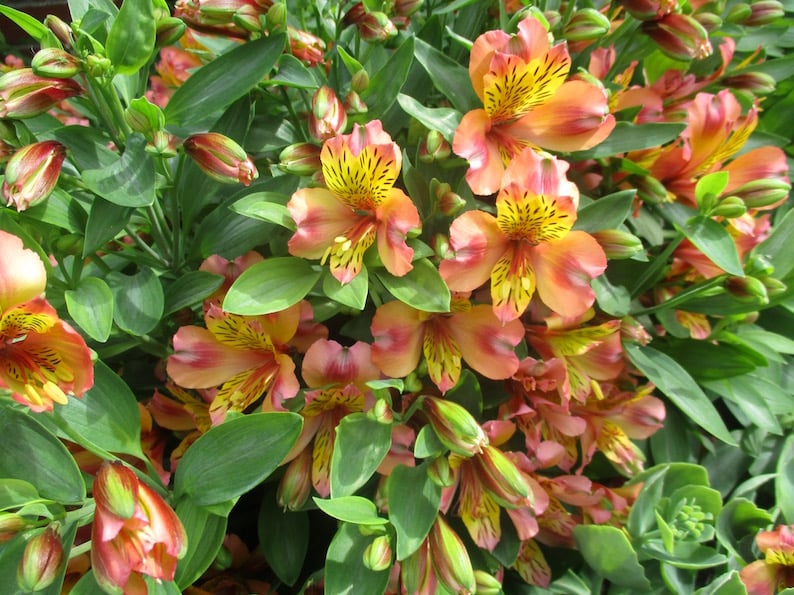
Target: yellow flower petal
534,218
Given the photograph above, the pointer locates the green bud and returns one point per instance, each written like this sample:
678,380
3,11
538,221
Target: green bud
378,554
381,412
487,584
440,473
738,13
501,477
774,287
744,287
450,558
587,24
41,561
618,244
169,31
360,81
55,63
729,207
456,428
145,117
276,16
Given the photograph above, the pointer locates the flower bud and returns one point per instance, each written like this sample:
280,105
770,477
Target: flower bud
487,584
375,27
144,117
276,16
300,159
60,29
759,83
221,158
450,558
440,473
587,24
709,20
649,10
774,286
10,525
632,330
745,287
24,94
354,105
501,477
447,202
6,151
758,265
247,19
729,207
169,31
434,147
763,193
162,144
41,561
69,244
455,427
118,491
617,244
651,190
763,12
55,63
406,8
360,81
440,245
738,13
32,172
552,17
328,117
308,48
296,484
378,554
680,37
381,412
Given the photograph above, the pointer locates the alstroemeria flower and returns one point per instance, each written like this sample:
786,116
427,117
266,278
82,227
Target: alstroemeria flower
472,333
776,571
135,532
246,356
529,245
358,205
521,81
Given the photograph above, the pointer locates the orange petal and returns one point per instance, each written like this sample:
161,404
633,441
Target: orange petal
396,217
478,245
398,330
22,274
328,362
320,218
474,143
487,345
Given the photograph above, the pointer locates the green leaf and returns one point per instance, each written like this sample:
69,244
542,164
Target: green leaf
230,459
15,492
443,119
61,210
427,444
205,532
284,556
139,300
784,482
26,22
229,234
777,247
615,300
107,415
190,289
353,294
360,447
676,383
737,525
727,584
130,42
292,73
266,206
714,241
711,184
448,76
421,288
90,304
344,571
632,137
712,361
608,212
386,83
31,453
221,82
686,554
270,286
129,181
351,509
608,552
105,220
413,506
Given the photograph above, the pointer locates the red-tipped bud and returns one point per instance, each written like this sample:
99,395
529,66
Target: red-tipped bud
587,24
60,29
381,412
456,428
434,148
32,172
301,159
618,244
328,117
308,48
169,31
764,12
378,554
680,37
296,484
449,203
487,584
632,330
450,559
41,561
748,287
375,27
355,15
6,151
221,158
24,94
501,477
758,83
650,10
709,20
354,105
10,525
55,63
406,8
651,190
360,81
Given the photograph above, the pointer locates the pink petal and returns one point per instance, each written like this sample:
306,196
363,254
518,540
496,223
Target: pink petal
478,244
398,330
328,362
485,344
320,218
396,217
473,142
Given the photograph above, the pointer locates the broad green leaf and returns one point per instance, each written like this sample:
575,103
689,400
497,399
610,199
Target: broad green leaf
386,83
421,288
353,294
679,387
360,446
61,210
609,553
413,506
15,492
344,571
443,119
156,586
727,584
784,482
351,509
777,247
714,241
737,525
712,361
129,181
756,410
27,23
90,304
107,416
139,300
78,8
205,532
105,221
230,459
266,206
285,556
427,444
270,286
229,234
222,81
608,212
632,137
31,453
615,300
686,554
190,289
292,73
131,39
449,77
675,441
711,184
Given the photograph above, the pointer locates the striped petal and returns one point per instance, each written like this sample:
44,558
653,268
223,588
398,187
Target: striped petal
242,390
512,282
322,451
442,353
534,218
479,512
345,255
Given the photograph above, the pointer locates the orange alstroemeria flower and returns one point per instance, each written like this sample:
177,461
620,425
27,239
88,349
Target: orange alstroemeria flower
245,355
42,358
358,205
472,333
529,245
776,571
521,81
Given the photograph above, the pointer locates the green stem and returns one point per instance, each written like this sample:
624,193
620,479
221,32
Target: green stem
159,227
682,297
96,92
144,246
648,276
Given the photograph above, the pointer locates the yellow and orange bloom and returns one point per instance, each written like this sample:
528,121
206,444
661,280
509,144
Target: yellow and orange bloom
529,245
526,102
42,358
358,206
135,532
247,356
32,173
776,571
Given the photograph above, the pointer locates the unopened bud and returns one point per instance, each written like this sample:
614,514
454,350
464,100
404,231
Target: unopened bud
447,202
221,158
98,66
32,173
764,12
744,287
440,473
328,117
649,10
301,159
162,144
69,244
375,27
758,266
709,20
763,193
632,330
618,244
10,525
276,16
759,83
456,428
144,117
169,31
360,81
729,207
450,558
55,63
680,37
553,18
501,477
440,245
434,147
381,412
41,561
587,24
60,29
354,105
406,8
738,13
23,94
247,19
774,286
378,554
308,48
487,584
651,190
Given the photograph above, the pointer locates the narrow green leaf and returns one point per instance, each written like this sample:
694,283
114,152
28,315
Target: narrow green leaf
222,81
449,77
421,288
784,482
609,553
351,509
285,556
608,212
777,247
131,39
27,23
443,119
265,206
129,182
632,137
270,286
139,300
413,506
386,83
361,444
344,571
292,73
676,383
353,294
230,459
205,532
91,307
190,289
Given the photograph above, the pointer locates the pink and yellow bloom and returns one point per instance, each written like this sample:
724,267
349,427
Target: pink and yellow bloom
135,532
529,245
358,206
776,571
527,102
